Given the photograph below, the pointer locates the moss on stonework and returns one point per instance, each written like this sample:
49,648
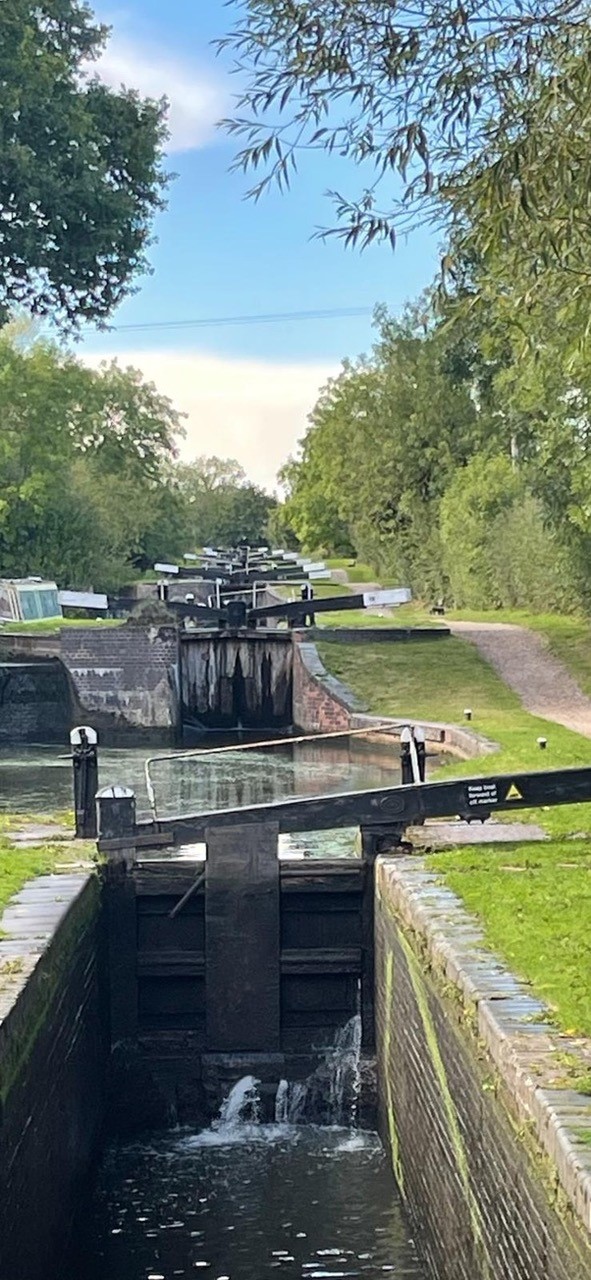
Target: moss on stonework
24,1023
422,973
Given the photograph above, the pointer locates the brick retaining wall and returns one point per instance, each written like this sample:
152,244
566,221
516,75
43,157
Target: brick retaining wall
486,1154
122,678
321,703
125,677
52,1067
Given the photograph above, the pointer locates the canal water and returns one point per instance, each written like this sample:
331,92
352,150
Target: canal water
270,1201
245,1200
241,1200
38,779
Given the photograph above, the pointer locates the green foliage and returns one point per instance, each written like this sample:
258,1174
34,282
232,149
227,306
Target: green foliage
80,171
477,496
279,532
384,440
92,490
446,108
454,463
222,507
497,550
83,457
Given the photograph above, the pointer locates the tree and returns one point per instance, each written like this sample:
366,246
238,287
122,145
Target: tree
80,167
384,439
279,531
454,109
85,457
224,506
498,549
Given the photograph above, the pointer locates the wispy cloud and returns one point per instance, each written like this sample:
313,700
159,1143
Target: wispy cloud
197,99
252,410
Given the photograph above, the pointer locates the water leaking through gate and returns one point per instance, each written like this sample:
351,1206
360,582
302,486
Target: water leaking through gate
245,1199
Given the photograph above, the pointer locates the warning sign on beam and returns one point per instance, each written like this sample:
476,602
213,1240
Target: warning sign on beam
482,793
513,793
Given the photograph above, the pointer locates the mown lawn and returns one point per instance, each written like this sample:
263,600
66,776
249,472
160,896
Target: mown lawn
356,570
406,615
533,899
437,681
535,902
55,624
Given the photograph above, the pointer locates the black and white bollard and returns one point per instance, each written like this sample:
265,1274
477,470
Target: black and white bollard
412,755
307,594
405,756
419,737
84,743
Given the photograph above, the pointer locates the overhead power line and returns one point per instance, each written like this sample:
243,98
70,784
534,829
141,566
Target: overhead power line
335,313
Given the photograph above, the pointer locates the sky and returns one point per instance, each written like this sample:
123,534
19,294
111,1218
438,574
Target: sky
247,388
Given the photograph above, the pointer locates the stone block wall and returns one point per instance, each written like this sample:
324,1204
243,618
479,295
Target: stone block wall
495,1187
127,677
52,1068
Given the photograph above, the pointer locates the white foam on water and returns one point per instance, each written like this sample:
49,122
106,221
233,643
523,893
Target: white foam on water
239,1123
334,1087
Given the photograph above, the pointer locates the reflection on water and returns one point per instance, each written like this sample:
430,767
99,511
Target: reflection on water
236,777
294,1202
38,779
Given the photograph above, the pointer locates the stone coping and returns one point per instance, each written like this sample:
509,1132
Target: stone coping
464,743
508,1020
29,923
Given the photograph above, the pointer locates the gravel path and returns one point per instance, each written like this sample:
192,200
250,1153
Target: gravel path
523,660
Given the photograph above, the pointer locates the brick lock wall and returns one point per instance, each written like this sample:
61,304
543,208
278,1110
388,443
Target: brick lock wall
478,1204
125,677
320,703
35,702
52,1069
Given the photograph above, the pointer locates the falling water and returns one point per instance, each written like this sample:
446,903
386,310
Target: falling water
245,1198
282,1102
242,1104
330,1095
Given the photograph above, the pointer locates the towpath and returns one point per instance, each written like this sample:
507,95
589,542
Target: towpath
524,661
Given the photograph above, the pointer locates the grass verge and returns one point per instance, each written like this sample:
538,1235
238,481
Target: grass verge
54,625
19,864
356,570
407,615
436,682
535,903
534,900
